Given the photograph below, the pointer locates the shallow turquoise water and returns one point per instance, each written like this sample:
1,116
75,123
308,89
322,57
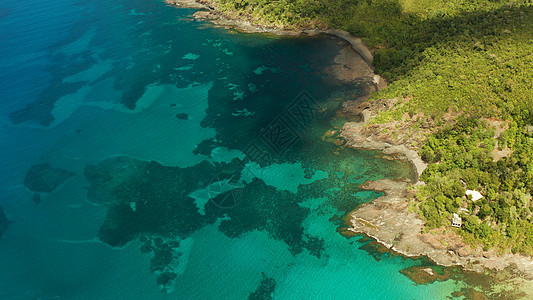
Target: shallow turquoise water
176,160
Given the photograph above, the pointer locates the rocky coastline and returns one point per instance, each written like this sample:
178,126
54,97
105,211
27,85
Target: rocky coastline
390,219
387,219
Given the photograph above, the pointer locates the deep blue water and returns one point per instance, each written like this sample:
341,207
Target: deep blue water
146,155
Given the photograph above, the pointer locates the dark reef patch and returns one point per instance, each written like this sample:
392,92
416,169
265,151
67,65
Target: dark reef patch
41,109
4,222
36,198
152,199
182,116
265,290
147,197
375,249
163,260
109,174
265,208
4,12
155,203
45,178
205,147
315,245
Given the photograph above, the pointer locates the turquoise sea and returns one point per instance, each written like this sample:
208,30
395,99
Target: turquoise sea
146,155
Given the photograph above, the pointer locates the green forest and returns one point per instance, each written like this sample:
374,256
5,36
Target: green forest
465,65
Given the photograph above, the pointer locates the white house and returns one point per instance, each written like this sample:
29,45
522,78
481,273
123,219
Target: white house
456,220
475,194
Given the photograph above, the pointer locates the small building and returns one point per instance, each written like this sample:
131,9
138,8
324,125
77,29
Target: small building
474,194
456,220
463,210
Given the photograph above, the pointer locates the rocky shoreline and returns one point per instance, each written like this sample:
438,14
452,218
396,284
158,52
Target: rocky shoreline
386,219
362,135
389,219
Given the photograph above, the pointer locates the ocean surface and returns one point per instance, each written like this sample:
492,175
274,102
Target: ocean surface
146,155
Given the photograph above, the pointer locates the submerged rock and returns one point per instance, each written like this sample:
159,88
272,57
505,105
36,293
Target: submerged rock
265,290
4,222
36,198
45,178
182,116
427,274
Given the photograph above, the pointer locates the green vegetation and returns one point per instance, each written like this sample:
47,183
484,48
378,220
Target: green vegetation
459,66
460,158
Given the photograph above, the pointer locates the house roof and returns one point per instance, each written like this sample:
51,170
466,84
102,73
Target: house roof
456,220
475,194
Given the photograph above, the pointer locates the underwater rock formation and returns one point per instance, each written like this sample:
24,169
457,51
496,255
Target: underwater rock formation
45,178
4,222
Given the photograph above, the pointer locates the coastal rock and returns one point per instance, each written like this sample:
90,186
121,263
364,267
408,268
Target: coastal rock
374,107
349,67
358,136
464,251
356,43
385,217
205,15
45,178
425,275
392,138
187,4
388,220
